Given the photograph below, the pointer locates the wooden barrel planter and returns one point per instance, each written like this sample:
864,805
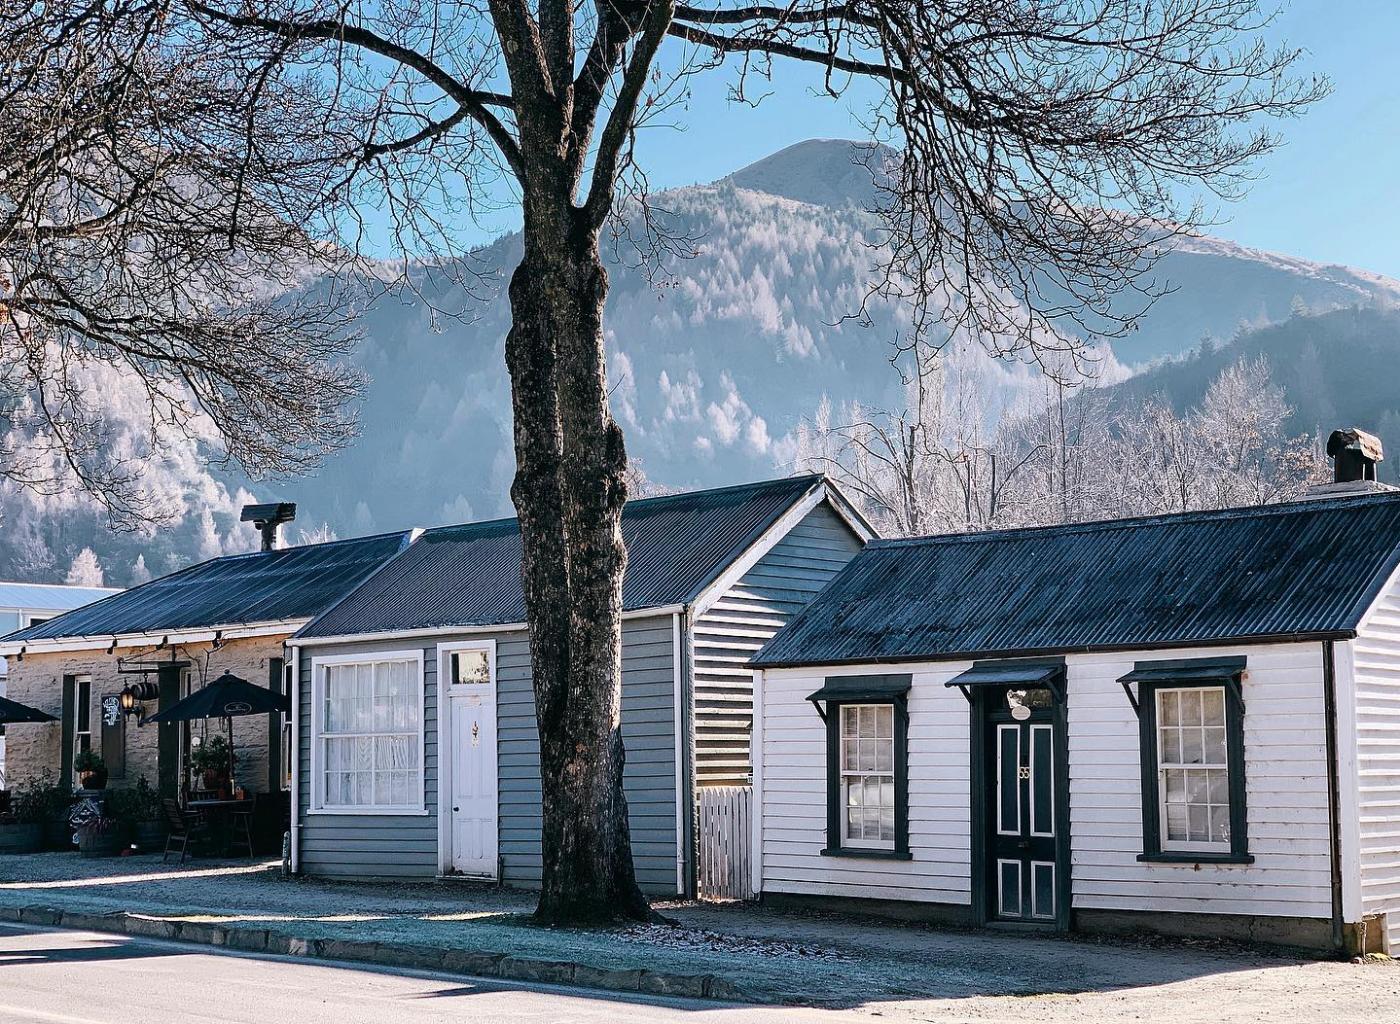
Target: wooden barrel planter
21,838
92,843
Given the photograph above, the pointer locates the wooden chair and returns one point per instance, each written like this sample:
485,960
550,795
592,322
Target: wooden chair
185,827
241,827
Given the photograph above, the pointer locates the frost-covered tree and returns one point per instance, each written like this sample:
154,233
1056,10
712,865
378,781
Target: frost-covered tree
960,455
85,570
139,573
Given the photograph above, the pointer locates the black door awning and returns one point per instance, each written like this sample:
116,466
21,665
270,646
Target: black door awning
1047,673
12,712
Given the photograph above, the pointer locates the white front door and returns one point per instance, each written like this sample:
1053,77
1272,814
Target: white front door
468,678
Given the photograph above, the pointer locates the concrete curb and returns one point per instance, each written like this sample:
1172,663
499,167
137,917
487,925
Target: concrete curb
457,961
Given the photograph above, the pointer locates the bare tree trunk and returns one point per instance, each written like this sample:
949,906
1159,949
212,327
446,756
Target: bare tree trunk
569,490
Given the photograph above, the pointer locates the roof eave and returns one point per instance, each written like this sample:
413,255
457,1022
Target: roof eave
1041,652
418,632
198,634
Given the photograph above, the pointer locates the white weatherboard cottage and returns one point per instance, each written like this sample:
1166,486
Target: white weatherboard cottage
1187,723
415,713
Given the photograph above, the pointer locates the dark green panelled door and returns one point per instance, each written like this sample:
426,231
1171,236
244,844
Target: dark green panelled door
1022,826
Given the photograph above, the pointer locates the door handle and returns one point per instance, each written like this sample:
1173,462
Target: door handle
456,808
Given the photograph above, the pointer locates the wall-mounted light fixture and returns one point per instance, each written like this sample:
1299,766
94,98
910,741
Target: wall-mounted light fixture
20,655
218,639
112,646
133,698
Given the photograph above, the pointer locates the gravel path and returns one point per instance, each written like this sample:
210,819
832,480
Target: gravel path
907,972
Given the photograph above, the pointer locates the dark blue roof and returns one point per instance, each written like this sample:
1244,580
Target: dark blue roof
263,586
1308,568
470,575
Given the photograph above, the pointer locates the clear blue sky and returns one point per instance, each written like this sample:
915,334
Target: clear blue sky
1332,193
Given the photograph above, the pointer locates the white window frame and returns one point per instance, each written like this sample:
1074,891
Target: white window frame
318,689
80,707
847,842
1167,844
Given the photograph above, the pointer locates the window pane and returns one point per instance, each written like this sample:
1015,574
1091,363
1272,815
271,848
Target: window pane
884,721
1190,707
1176,823
1199,818
471,668
1220,824
1191,746
1214,746
884,756
1213,707
1220,787
867,721
1169,712
1171,746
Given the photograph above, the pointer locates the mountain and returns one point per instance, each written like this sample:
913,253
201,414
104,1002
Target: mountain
1337,369
713,363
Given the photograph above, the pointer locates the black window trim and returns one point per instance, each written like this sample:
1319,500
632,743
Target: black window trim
883,689
1229,678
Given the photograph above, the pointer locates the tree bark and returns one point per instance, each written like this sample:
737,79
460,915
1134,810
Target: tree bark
569,490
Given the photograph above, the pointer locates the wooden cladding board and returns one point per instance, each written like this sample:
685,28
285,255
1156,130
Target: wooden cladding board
779,585
1377,683
397,846
1286,782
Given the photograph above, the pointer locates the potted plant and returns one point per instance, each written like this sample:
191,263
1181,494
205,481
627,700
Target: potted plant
140,810
91,769
22,821
212,759
55,803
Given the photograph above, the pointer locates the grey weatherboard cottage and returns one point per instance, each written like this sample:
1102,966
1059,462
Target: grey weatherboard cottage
1187,723
711,576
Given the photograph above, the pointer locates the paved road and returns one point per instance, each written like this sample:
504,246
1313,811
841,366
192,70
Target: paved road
65,977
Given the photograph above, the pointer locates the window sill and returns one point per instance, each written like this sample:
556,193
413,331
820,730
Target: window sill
1182,857
841,851
364,812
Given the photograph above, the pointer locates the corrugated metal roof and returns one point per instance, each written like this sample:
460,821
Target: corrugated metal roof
54,597
1305,568
262,586
470,575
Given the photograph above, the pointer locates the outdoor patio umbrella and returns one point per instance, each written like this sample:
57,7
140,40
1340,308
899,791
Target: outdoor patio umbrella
226,697
12,711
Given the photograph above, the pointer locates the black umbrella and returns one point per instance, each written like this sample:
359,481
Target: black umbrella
226,697
12,711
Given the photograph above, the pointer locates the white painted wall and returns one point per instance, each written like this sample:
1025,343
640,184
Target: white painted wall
1376,659
1286,782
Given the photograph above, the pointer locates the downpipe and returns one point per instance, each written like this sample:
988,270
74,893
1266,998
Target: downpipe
1334,789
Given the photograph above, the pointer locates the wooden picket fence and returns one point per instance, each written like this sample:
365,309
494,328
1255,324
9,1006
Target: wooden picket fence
726,838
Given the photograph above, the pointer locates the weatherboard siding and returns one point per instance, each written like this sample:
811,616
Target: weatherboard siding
1286,783
407,845
731,632
1377,682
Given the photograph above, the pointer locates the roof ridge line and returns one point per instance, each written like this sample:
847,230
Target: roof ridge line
810,478
1097,525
